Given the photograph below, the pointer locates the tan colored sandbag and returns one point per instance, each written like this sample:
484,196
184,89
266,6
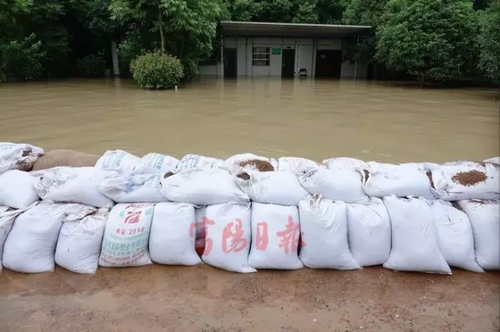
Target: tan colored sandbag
55,158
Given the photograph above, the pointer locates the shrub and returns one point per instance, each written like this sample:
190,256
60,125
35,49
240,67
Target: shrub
190,68
156,70
128,50
21,60
92,65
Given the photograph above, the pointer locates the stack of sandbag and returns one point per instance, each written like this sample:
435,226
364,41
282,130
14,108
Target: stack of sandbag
126,236
17,189
118,160
18,156
56,158
31,243
274,218
73,185
79,243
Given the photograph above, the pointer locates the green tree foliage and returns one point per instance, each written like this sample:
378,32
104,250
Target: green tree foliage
431,39
489,40
21,60
157,70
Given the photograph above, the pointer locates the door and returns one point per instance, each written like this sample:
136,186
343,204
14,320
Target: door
328,63
230,63
288,63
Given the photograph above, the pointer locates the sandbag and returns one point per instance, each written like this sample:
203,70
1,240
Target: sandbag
369,232
194,161
18,156
57,158
401,180
494,160
202,187
324,235
249,162
296,165
32,241
275,237
74,185
271,187
228,236
466,181
156,163
118,160
79,242
345,163
415,244
7,218
17,189
171,241
455,236
341,185
484,216
126,236
133,188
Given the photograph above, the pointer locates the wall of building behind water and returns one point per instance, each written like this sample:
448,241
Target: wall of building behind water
306,56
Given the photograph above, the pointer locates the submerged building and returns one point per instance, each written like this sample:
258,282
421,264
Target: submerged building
257,49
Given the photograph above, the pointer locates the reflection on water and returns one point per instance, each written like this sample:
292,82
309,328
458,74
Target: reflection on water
313,119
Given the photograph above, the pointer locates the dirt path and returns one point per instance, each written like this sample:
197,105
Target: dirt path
160,298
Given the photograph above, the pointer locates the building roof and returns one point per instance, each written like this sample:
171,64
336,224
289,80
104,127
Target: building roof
268,29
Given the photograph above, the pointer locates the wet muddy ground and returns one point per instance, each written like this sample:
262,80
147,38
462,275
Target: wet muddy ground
275,118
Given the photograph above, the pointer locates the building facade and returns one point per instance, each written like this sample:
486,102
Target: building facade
285,50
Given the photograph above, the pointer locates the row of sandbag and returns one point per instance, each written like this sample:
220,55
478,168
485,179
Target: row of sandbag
402,234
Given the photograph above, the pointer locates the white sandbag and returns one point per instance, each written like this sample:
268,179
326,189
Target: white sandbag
275,237
7,218
156,163
341,185
118,160
484,216
296,165
466,181
79,243
455,236
18,156
171,241
126,236
228,236
74,185
133,188
415,244
31,243
271,187
249,162
324,235
198,229
17,189
401,180
202,187
345,163
369,232
494,160
194,161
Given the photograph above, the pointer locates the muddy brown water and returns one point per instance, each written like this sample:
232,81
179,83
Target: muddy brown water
312,119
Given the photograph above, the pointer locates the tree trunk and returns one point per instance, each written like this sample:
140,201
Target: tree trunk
162,33
421,80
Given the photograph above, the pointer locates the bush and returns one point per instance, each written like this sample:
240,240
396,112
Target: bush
92,66
21,60
156,70
190,68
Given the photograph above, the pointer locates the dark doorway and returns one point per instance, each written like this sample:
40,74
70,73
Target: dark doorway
288,63
328,63
230,63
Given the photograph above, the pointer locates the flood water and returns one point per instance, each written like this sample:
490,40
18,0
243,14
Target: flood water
313,119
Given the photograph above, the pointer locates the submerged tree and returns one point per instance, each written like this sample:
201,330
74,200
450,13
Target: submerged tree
489,40
431,39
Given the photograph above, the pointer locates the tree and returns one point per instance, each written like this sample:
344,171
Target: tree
489,41
431,39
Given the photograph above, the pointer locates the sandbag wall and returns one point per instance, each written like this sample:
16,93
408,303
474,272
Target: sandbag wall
247,213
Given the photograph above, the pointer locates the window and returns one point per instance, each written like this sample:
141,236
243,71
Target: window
261,56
